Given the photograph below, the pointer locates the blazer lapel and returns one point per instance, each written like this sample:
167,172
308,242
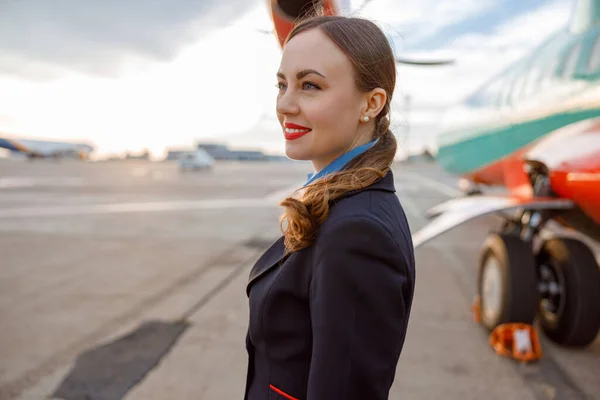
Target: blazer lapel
267,261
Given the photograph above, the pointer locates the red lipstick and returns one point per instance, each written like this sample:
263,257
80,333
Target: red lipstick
293,131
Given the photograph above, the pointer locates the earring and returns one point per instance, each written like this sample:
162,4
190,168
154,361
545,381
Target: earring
365,118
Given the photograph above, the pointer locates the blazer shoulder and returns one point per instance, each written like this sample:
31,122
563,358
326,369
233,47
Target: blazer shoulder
352,223
382,209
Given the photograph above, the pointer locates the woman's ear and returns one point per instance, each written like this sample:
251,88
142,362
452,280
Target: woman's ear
374,102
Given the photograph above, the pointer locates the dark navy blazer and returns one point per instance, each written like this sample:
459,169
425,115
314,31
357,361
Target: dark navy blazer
328,322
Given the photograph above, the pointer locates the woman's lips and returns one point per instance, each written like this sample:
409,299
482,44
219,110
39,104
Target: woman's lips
293,131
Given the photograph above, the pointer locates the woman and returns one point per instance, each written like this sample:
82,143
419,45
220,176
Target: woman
330,300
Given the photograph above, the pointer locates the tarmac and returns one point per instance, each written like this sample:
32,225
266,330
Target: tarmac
125,280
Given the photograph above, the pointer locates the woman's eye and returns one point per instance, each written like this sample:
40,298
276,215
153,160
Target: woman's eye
280,85
310,85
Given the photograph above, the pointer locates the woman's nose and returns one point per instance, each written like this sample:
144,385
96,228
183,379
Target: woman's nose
286,104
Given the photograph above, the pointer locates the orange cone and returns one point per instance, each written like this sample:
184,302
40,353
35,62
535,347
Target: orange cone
516,340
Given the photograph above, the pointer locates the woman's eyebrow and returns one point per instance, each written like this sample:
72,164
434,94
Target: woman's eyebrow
302,74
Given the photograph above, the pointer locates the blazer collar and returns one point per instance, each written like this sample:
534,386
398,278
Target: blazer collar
385,184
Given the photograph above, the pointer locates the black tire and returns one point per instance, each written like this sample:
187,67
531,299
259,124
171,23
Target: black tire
575,321
517,281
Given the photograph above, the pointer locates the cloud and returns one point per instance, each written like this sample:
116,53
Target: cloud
521,32
40,39
409,22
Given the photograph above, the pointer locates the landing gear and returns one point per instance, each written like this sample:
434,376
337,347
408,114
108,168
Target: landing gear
560,283
522,276
569,289
506,283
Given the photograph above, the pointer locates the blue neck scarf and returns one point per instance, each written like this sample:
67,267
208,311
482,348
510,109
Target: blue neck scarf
337,164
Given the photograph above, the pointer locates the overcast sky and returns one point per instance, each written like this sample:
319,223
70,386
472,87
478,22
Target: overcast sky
137,74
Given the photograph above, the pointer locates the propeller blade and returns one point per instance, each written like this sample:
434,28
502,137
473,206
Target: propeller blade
424,63
265,31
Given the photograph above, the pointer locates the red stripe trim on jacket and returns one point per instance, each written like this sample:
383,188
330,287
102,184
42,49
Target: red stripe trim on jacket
281,392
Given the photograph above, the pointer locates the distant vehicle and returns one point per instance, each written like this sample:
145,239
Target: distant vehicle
46,149
196,160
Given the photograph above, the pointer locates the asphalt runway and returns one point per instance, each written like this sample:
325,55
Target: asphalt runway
126,280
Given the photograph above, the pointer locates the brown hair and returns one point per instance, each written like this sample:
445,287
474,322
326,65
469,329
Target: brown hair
374,67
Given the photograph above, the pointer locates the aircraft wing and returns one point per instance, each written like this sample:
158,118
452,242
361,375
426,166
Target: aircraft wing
455,212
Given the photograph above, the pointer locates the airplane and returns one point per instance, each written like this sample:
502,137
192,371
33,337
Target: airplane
533,130
46,149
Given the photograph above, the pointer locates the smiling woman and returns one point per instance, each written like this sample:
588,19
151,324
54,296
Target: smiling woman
330,300
344,106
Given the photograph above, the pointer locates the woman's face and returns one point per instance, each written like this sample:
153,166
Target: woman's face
319,106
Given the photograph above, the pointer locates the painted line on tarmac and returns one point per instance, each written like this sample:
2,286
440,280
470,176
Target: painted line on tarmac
545,379
271,200
140,207
117,208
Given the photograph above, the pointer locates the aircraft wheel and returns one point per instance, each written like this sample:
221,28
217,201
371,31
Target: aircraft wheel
506,281
569,289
